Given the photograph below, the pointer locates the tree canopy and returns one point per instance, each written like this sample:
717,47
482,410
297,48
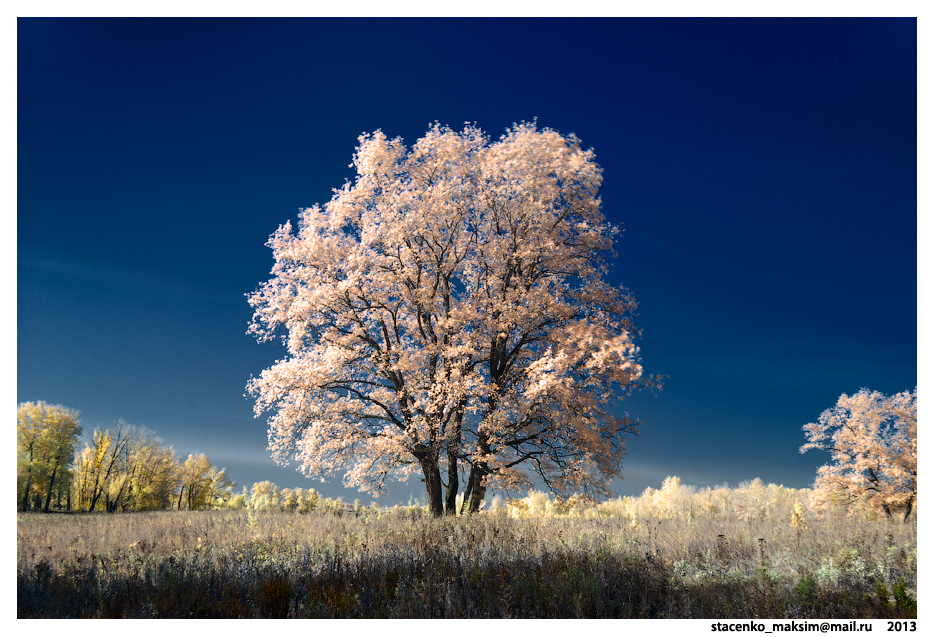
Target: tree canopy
46,436
873,440
450,307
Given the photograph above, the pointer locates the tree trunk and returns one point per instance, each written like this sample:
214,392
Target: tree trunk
26,492
433,484
119,496
908,511
477,496
476,490
98,490
467,493
192,496
48,498
476,487
97,495
454,449
451,489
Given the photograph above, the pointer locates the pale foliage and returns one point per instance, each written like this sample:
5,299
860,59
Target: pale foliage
748,503
873,440
451,301
238,501
265,496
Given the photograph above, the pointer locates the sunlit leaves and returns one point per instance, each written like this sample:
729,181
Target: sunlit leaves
873,440
451,302
46,436
127,468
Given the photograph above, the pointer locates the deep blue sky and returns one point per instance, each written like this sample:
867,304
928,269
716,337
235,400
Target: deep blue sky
764,172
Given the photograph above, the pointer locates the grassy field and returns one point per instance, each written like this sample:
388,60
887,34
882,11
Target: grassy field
532,559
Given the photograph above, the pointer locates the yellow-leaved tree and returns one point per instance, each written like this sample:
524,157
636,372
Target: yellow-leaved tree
46,436
203,486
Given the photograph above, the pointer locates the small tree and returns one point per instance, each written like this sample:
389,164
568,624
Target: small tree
308,500
873,442
265,496
153,474
448,311
46,437
100,471
289,499
202,486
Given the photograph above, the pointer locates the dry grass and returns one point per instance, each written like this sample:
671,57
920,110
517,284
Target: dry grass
384,563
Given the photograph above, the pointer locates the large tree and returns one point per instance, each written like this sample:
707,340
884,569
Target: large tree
449,308
873,440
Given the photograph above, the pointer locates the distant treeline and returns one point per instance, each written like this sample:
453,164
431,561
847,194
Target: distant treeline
122,468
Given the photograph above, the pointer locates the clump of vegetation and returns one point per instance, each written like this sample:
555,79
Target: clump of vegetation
677,552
